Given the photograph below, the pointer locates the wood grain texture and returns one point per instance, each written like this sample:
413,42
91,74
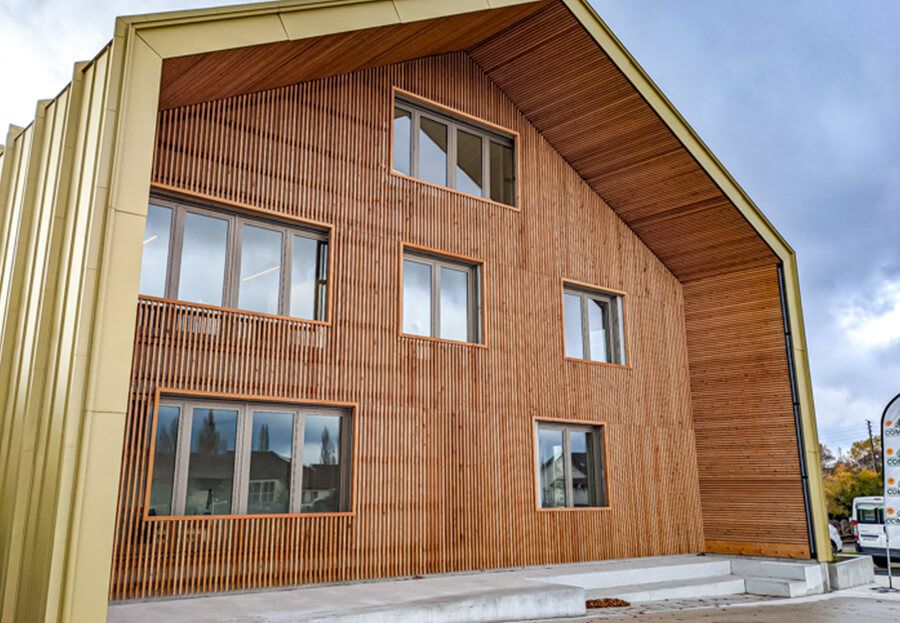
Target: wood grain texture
750,487
446,474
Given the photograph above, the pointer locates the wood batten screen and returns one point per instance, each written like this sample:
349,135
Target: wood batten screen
444,476
747,453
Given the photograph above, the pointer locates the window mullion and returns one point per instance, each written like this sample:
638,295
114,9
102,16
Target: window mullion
485,166
175,253
414,156
242,446
451,155
585,329
567,467
297,461
182,460
286,269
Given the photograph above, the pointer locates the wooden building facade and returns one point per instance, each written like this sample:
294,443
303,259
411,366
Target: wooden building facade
699,413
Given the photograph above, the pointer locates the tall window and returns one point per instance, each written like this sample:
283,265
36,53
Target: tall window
594,327
223,458
440,297
216,257
438,148
570,466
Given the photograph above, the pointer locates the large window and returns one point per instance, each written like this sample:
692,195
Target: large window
224,458
440,297
594,327
441,149
570,465
196,254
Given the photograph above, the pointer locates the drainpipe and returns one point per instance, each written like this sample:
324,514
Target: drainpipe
801,446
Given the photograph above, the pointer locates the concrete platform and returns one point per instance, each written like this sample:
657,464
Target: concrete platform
513,595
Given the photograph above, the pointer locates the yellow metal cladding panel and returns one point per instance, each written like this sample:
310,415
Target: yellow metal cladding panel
333,19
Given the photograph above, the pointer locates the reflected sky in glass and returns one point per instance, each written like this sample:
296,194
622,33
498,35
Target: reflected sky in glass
203,259
454,304
469,158
433,151
402,125
156,250
260,282
597,317
552,476
416,298
303,277
573,338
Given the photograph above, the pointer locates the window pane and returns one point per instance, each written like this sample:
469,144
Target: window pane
469,160
454,304
202,276
402,125
572,312
211,467
502,174
321,464
164,460
416,298
156,250
598,316
552,468
260,284
433,151
584,469
270,462
303,277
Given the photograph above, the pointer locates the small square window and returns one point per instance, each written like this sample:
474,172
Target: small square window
570,466
594,327
440,298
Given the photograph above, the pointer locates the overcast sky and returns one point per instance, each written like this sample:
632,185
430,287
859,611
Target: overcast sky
799,99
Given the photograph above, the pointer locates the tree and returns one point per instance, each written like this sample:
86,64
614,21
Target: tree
209,440
327,455
844,484
263,443
828,459
861,456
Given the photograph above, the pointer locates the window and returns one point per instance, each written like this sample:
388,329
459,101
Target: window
213,257
440,298
570,465
224,458
594,328
443,150
869,514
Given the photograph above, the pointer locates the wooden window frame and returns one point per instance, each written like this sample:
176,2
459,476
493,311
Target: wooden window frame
243,451
455,121
599,440
233,256
437,260
615,329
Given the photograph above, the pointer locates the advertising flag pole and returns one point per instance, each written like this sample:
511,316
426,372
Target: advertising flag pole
890,477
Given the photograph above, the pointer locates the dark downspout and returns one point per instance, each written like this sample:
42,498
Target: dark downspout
801,446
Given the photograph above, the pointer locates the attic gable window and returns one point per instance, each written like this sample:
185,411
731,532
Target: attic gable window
445,150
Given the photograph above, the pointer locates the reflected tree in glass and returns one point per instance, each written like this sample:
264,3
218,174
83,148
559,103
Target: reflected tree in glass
269,489
321,464
164,460
210,480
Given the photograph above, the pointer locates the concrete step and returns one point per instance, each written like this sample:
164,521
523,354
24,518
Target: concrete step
691,588
630,573
776,587
811,575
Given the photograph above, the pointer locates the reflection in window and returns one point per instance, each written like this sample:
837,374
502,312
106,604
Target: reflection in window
594,328
309,266
502,173
321,464
259,287
454,304
440,298
155,260
570,465
552,470
271,450
202,278
469,163
425,141
416,298
433,151
402,126
210,479
164,460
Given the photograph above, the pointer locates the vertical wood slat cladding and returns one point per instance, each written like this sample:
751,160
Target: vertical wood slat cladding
445,476
743,419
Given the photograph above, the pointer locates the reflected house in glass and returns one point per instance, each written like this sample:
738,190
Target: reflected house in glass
309,292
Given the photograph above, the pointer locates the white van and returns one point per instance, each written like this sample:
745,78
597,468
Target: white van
868,530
